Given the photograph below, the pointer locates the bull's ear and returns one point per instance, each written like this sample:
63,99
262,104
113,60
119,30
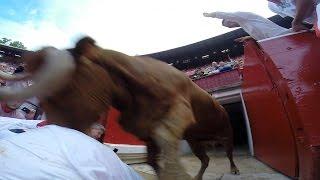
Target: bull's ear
86,47
83,45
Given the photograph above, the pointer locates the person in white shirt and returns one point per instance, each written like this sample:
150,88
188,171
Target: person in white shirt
54,152
303,11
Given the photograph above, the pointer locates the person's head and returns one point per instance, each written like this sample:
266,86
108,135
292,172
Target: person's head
214,64
230,24
96,131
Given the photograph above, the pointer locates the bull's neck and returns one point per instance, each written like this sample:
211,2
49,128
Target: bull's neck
122,98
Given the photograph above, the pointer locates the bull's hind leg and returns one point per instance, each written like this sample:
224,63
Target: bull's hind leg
198,150
228,145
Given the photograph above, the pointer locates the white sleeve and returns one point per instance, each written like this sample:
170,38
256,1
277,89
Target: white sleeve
19,114
226,16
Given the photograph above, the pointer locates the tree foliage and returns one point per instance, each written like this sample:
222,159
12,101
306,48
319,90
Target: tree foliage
5,40
9,42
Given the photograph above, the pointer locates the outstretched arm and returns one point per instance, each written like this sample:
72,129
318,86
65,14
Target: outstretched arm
221,15
304,8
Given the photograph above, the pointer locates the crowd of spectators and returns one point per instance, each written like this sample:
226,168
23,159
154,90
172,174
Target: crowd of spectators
216,68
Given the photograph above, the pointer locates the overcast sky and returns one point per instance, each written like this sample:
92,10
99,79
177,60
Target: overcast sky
130,26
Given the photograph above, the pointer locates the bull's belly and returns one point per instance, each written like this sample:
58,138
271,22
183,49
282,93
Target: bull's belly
139,127
208,132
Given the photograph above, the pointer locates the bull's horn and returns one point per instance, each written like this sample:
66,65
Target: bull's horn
55,73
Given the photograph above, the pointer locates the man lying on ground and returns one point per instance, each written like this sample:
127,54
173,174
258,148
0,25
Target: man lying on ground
54,152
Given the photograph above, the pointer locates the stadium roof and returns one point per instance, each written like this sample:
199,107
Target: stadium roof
189,56
213,49
11,54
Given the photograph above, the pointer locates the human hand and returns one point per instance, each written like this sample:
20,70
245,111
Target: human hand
242,39
298,26
206,14
209,14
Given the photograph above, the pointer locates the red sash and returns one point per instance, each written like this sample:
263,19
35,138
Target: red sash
5,108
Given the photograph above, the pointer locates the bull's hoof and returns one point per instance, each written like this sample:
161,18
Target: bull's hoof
235,171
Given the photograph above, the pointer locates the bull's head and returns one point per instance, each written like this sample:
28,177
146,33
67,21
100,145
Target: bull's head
49,69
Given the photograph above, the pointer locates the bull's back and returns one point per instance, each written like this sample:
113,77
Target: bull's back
156,75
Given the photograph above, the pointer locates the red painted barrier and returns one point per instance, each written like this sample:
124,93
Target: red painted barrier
114,132
282,88
273,139
220,80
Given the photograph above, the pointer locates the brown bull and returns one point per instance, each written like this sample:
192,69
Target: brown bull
158,103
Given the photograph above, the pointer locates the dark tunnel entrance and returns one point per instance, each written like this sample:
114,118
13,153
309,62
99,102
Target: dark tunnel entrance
237,118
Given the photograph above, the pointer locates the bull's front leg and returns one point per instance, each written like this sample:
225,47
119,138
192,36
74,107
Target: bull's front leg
153,153
167,135
169,143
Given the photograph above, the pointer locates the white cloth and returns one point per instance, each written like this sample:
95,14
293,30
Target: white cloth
11,123
33,100
54,152
256,26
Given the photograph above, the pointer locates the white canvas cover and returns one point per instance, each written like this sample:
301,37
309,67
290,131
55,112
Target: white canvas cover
7,123
256,26
54,152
